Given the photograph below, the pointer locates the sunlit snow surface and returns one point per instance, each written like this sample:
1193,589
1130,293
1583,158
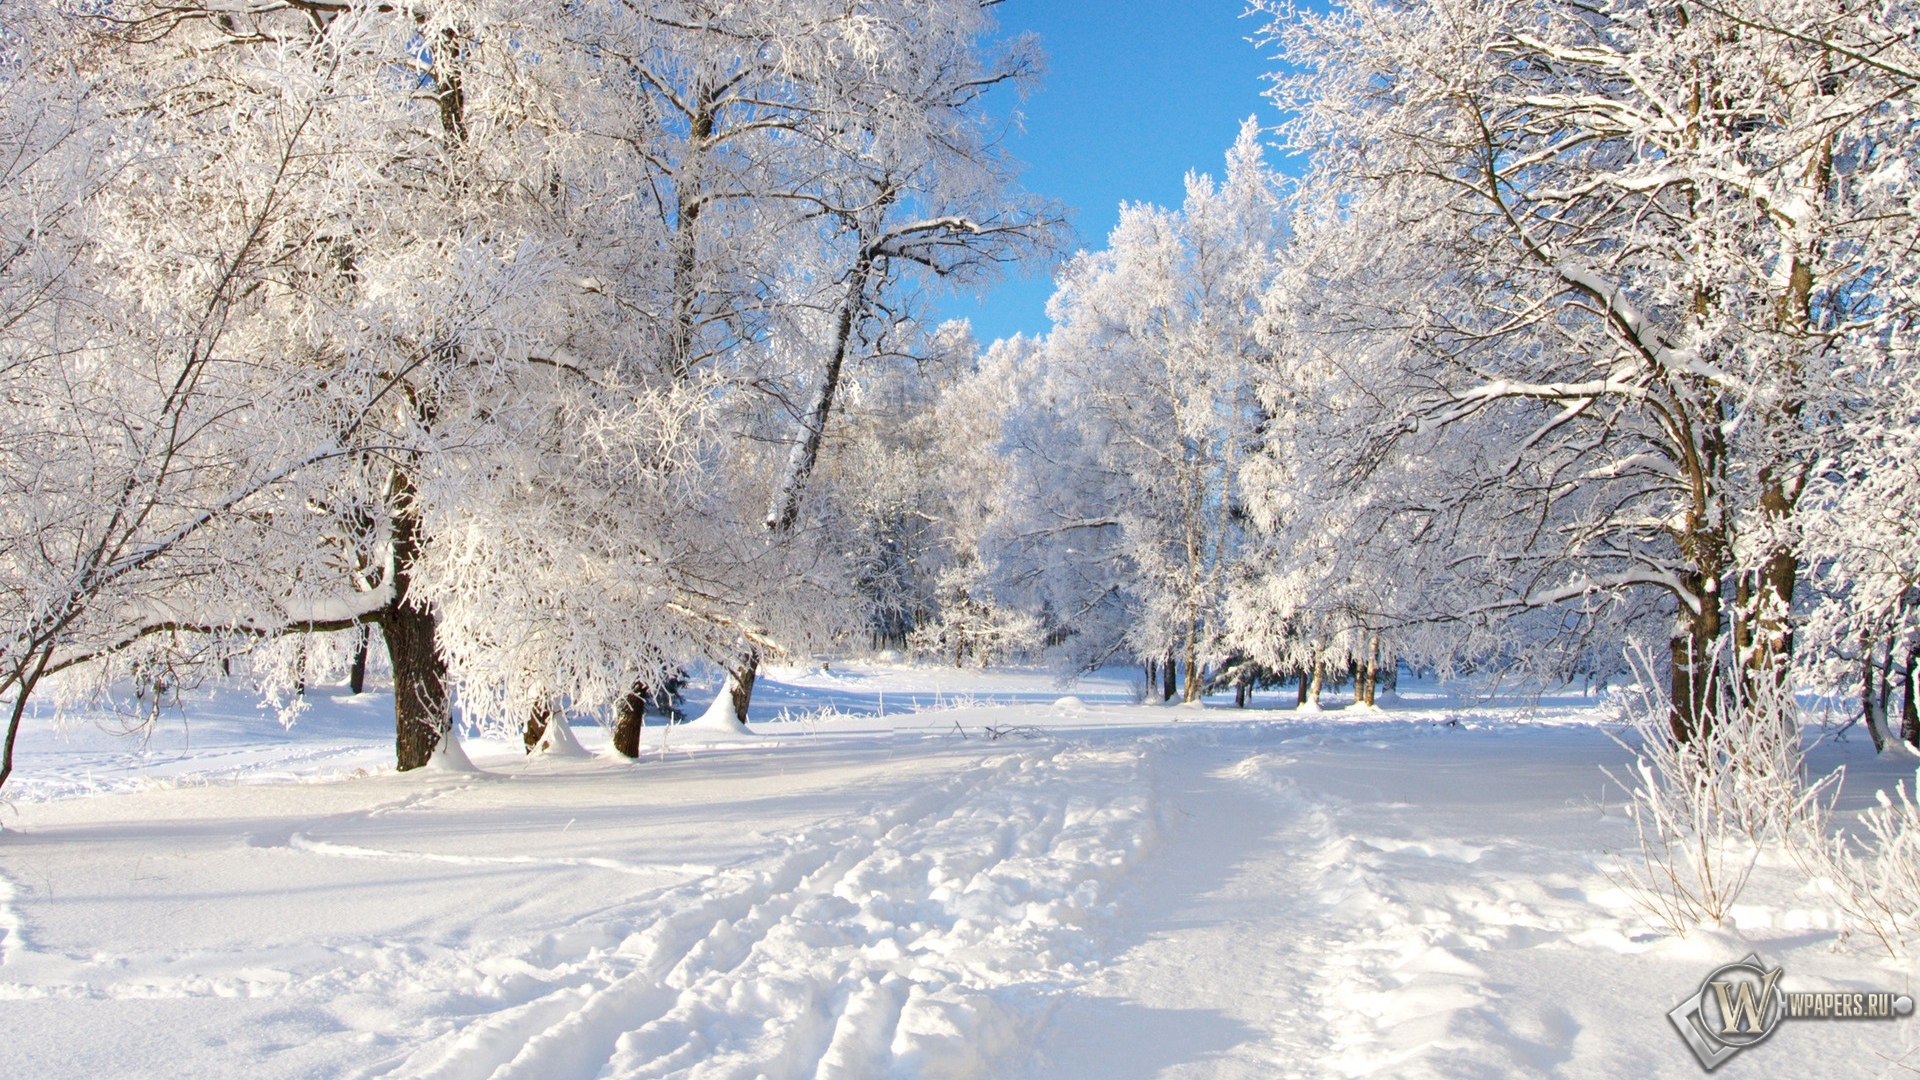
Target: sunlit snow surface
874,885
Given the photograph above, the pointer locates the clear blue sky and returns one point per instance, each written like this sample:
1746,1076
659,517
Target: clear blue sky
1137,93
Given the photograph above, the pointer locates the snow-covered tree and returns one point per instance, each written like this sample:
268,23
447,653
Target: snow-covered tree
174,406
1124,516
1637,248
513,330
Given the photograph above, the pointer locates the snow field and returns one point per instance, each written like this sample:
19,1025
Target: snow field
1106,890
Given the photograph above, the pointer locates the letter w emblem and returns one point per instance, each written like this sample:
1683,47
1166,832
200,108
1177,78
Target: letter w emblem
1741,1010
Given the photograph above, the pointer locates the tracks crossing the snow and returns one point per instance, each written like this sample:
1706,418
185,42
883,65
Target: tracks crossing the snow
927,938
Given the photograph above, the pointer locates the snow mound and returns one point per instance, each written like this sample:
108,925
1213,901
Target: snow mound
1069,703
559,741
450,756
717,724
12,931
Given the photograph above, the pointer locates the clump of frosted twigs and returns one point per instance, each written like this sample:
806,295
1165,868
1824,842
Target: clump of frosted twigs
811,719
1704,809
1873,876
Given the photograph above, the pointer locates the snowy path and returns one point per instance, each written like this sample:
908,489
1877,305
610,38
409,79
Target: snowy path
917,940
1123,896
1408,900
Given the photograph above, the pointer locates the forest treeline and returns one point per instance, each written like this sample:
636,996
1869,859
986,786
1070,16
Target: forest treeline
558,348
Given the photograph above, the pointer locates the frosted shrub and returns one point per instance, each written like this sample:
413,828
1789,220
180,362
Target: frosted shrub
1873,876
1704,809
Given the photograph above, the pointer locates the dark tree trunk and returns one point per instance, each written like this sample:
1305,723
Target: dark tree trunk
1909,709
1886,691
1300,698
1195,683
536,727
629,719
740,685
1240,695
29,676
18,709
420,712
1372,673
357,675
1167,679
1694,688
1867,702
421,715
300,680
1771,613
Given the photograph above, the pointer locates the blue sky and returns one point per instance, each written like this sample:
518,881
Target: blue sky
1137,93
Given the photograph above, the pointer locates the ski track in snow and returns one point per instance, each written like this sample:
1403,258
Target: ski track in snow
300,842
1177,900
1396,935
925,939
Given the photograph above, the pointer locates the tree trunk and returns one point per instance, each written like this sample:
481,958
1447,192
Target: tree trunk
1373,667
1772,611
1694,687
784,511
14,713
1239,695
1319,678
629,718
1909,709
536,726
739,686
1886,690
1771,615
1152,674
1194,682
420,713
686,236
1167,679
1867,697
25,682
1300,697
357,675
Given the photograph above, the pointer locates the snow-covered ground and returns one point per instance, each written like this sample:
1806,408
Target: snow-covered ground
908,872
